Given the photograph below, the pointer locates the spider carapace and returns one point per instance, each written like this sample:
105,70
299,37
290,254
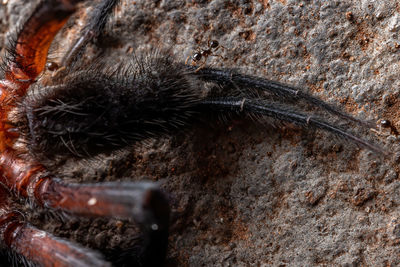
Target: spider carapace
85,112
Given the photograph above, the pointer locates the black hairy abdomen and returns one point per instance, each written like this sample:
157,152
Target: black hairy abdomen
92,112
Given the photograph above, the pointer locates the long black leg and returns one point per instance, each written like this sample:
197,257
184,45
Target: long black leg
95,25
229,78
250,106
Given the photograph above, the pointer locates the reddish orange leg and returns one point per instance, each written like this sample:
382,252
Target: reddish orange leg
141,201
29,54
38,246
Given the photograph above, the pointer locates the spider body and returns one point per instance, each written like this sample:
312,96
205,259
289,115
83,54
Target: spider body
90,112
85,112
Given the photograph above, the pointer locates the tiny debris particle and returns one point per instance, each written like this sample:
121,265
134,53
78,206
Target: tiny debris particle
39,235
92,201
349,16
119,224
394,23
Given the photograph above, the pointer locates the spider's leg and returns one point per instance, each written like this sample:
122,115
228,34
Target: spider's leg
250,106
141,201
39,246
28,52
229,78
95,25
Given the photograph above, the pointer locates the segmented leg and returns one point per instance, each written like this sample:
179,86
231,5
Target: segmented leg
231,79
28,54
38,246
251,106
92,30
123,200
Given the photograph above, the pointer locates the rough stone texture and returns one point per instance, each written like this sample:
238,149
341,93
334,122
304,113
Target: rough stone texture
246,194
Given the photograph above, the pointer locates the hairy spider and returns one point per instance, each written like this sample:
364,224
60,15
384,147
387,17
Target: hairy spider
82,113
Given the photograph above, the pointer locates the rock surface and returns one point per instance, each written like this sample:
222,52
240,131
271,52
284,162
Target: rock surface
248,194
